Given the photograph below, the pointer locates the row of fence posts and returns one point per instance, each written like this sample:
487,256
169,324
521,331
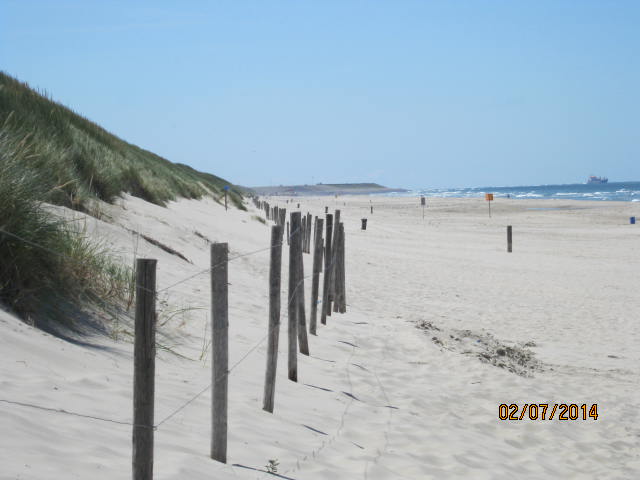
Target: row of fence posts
331,249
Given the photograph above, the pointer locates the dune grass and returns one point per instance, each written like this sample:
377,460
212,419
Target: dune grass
49,268
83,161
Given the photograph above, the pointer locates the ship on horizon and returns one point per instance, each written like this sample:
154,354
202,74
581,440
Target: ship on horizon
594,179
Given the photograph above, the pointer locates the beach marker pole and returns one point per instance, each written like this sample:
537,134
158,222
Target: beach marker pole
220,346
489,197
509,239
226,189
144,365
275,269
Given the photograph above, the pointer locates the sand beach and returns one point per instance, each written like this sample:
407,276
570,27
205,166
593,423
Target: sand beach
443,325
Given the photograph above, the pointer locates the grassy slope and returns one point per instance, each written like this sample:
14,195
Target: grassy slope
83,161
50,269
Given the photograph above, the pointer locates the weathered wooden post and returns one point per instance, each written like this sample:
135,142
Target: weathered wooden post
303,341
315,281
288,241
336,268
326,210
509,239
318,231
144,367
275,268
343,286
332,278
303,233
292,305
364,223
309,220
220,345
327,269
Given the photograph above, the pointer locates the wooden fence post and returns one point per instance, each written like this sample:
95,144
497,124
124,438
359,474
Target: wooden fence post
334,244
337,306
315,282
343,286
144,366
336,268
327,269
308,243
303,341
220,345
318,231
303,233
509,239
292,305
274,317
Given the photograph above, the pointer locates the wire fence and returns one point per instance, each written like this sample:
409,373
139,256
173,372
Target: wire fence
230,370
202,391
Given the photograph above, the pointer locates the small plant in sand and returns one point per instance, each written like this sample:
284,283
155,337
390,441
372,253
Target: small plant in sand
272,466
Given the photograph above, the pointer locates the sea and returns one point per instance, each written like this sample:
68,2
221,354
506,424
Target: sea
615,191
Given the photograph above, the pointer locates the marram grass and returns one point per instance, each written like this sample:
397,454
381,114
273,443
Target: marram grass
82,161
49,267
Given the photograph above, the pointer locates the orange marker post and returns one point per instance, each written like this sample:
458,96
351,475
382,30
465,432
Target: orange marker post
489,197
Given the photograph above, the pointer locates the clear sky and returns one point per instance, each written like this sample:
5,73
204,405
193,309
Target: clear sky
405,93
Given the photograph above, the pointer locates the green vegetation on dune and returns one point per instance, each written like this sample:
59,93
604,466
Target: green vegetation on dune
83,161
49,268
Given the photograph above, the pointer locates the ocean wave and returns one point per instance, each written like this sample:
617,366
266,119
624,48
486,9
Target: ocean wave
624,192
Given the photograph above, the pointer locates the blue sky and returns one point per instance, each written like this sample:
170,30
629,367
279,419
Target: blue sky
404,93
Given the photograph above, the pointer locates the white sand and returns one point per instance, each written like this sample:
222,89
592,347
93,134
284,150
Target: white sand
571,287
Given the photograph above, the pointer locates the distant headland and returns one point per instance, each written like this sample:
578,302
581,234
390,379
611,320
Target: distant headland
325,189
